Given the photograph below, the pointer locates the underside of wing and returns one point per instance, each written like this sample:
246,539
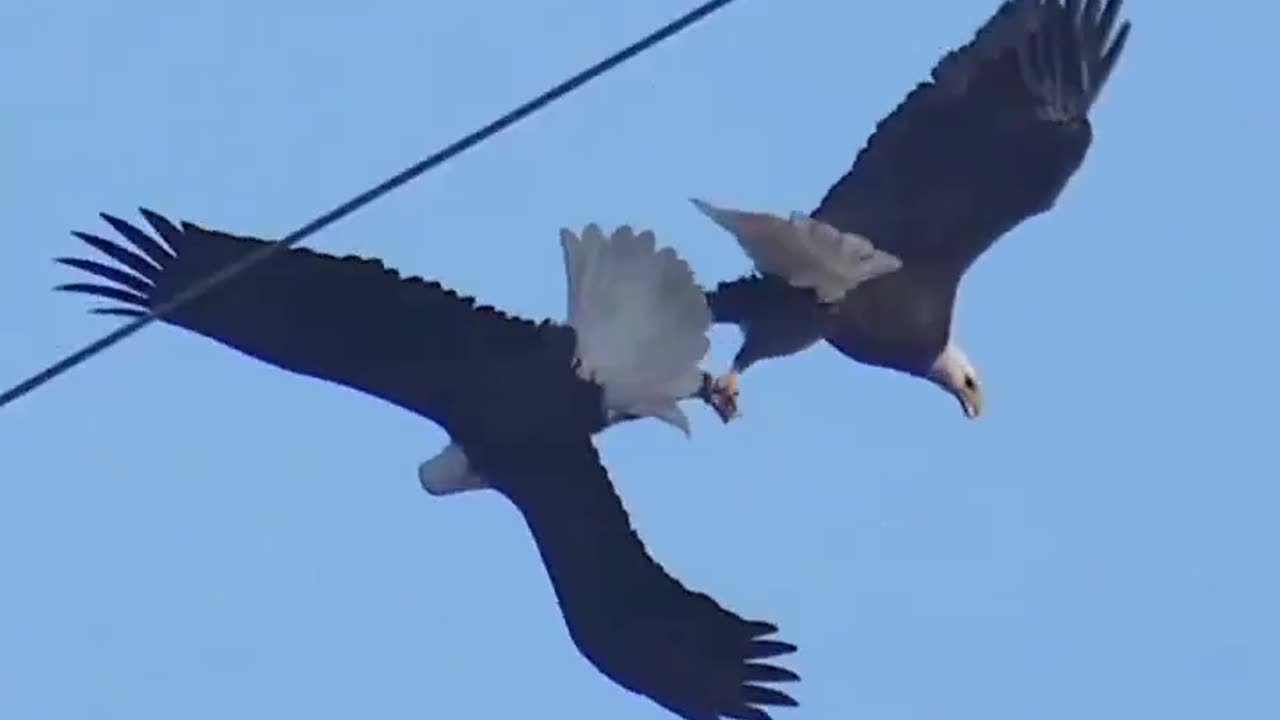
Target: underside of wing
347,320
632,620
990,140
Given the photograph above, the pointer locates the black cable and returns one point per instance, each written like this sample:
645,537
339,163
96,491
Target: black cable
365,198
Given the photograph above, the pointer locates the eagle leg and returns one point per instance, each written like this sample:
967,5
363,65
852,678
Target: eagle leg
721,393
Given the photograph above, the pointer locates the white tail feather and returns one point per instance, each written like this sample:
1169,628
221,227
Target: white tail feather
807,253
641,320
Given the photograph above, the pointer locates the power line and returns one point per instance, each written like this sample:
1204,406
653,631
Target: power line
368,196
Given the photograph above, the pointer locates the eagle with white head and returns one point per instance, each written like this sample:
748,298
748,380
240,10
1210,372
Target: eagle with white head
521,401
990,140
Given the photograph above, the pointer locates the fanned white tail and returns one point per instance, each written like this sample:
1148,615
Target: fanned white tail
641,321
807,253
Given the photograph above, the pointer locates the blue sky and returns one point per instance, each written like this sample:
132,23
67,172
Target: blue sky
187,534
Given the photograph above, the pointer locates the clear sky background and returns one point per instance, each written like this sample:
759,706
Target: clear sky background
186,533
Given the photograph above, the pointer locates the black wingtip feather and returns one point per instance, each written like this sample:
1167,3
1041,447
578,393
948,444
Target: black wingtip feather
105,291
754,697
123,312
1109,60
764,649
165,229
122,255
748,713
151,250
763,672
112,274
758,695
131,282
1076,51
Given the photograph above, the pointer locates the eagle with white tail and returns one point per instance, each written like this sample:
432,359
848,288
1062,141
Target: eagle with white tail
991,139
520,401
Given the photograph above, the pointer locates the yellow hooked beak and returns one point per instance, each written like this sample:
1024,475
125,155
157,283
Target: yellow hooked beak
970,397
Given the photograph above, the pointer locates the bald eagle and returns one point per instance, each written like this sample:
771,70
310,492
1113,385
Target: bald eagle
520,401
991,139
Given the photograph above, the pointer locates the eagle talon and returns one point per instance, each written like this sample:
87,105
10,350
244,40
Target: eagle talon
722,395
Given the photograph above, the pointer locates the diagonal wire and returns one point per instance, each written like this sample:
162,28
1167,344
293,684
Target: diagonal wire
368,196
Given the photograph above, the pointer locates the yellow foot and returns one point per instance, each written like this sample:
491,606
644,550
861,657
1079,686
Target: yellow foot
722,395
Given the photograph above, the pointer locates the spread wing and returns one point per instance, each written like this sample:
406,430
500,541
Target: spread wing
633,621
348,320
989,141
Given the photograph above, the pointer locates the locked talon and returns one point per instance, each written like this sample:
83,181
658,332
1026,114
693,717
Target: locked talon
724,396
